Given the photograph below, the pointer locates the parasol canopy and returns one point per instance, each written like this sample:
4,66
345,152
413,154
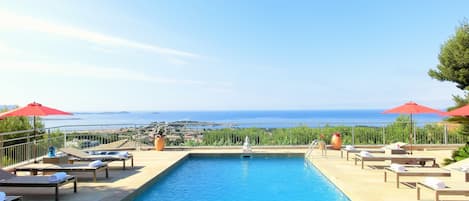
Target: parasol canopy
33,109
412,108
462,111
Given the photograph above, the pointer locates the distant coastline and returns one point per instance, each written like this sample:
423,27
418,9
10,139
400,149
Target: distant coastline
8,107
266,118
119,112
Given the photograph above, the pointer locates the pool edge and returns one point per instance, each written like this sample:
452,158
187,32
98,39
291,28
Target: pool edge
153,180
158,176
331,180
327,178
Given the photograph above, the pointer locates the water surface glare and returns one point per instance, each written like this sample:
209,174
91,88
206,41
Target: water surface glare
233,178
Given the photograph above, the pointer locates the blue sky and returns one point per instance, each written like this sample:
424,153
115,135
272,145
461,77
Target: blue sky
224,55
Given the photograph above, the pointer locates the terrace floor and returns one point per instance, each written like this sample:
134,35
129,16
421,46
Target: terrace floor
368,184
121,183
358,184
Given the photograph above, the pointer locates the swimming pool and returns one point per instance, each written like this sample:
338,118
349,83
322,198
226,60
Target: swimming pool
269,178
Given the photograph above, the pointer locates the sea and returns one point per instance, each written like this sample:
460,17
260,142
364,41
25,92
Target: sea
267,119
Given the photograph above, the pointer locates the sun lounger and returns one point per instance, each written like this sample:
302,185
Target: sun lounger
4,197
110,146
416,172
348,151
10,180
395,148
457,189
13,198
78,155
46,167
121,145
401,159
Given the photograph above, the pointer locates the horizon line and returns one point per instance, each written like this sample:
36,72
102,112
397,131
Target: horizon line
224,110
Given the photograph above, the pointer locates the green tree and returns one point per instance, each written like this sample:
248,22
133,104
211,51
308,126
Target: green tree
454,59
11,124
454,67
399,130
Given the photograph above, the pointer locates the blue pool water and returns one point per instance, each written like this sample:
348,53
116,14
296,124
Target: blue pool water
234,179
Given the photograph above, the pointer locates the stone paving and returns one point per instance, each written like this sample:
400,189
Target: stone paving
122,183
357,184
368,184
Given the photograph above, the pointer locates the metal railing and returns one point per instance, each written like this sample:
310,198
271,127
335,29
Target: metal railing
311,148
20,146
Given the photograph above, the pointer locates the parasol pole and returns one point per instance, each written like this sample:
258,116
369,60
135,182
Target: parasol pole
410,135
34,139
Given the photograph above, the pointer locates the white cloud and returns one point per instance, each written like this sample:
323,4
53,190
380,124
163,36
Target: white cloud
7,50
11,20
89,72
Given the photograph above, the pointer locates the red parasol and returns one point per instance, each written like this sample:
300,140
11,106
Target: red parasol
412,108
462,111
33,109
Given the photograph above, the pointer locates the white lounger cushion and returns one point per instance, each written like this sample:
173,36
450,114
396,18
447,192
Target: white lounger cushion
397,167
59,176
2,196
465,167
96,163
123,154
434,183
349,147
365,154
